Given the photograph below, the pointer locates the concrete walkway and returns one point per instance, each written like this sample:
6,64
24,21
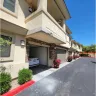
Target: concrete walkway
49,71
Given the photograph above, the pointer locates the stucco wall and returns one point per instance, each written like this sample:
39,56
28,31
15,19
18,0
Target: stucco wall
19,58
35,22
45,20
53,27
19,17
50,64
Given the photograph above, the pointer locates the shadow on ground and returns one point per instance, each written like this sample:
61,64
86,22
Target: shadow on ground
38,69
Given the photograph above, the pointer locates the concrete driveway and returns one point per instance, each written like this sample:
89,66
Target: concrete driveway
75,79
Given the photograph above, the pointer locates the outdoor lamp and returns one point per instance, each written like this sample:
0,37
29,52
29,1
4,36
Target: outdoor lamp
22,42
30,9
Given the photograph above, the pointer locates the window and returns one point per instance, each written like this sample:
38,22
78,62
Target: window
5,45
10,5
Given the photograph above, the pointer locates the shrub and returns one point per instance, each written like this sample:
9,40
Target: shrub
5,82
69,58
56,63
77,56
24,75
84,55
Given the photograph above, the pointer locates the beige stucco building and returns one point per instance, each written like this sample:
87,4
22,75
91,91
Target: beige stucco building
36,28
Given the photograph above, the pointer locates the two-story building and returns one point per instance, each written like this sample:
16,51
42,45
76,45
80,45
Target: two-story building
76,48
35,28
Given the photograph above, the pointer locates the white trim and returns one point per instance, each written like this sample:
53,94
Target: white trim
15,14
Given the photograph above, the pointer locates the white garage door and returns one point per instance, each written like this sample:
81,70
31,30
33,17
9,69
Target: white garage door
61,54
41,53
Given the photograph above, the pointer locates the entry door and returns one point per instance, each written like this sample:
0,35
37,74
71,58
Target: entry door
61,54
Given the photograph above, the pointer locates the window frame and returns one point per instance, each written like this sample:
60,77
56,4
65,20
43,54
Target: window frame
11,57
9,11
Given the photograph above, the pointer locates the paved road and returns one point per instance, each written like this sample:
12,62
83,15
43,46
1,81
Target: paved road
76,79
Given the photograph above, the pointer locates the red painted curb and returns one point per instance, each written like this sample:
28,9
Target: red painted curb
19,89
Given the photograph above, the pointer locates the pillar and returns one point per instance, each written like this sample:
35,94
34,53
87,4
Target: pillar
42,5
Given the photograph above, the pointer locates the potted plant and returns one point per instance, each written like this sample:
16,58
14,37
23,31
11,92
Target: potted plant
56,63
69,58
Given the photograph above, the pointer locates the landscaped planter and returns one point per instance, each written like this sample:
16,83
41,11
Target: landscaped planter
19,89
56,63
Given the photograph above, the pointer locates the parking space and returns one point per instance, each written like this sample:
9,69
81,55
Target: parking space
39,69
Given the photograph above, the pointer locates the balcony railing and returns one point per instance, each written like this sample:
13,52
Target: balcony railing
45,20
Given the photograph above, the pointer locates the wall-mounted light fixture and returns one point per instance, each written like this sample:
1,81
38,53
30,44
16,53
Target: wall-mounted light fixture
22,43
30,10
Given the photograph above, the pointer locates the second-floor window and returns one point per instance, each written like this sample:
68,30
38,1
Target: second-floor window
10,5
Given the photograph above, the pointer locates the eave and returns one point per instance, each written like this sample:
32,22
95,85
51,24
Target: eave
63,8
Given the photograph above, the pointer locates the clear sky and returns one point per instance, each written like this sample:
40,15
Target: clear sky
82,22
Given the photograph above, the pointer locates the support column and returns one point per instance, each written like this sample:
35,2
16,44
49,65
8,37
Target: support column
64,26
42,5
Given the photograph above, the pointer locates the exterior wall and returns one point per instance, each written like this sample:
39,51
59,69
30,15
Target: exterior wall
43,19
35,22
64,27
31,21
67,54
68,45
80,49
19,58
19,17
54,27
50,61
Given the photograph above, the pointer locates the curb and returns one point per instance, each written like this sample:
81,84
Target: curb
19,89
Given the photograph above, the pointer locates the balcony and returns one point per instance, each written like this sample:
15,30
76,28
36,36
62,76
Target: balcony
67,45
42,26
46,23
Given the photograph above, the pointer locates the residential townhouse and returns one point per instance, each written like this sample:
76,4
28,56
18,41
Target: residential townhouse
35,28
77,48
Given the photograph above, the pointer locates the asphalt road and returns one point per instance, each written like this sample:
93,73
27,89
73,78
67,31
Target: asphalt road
75,79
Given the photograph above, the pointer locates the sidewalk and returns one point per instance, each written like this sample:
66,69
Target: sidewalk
45,73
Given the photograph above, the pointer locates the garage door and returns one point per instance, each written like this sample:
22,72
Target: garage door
61,54
41,53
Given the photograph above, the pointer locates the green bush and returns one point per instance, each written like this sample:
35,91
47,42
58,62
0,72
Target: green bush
84,55
24,75
5,82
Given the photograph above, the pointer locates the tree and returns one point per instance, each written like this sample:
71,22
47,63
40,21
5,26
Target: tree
91,48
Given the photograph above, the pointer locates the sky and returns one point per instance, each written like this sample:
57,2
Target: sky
82,22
